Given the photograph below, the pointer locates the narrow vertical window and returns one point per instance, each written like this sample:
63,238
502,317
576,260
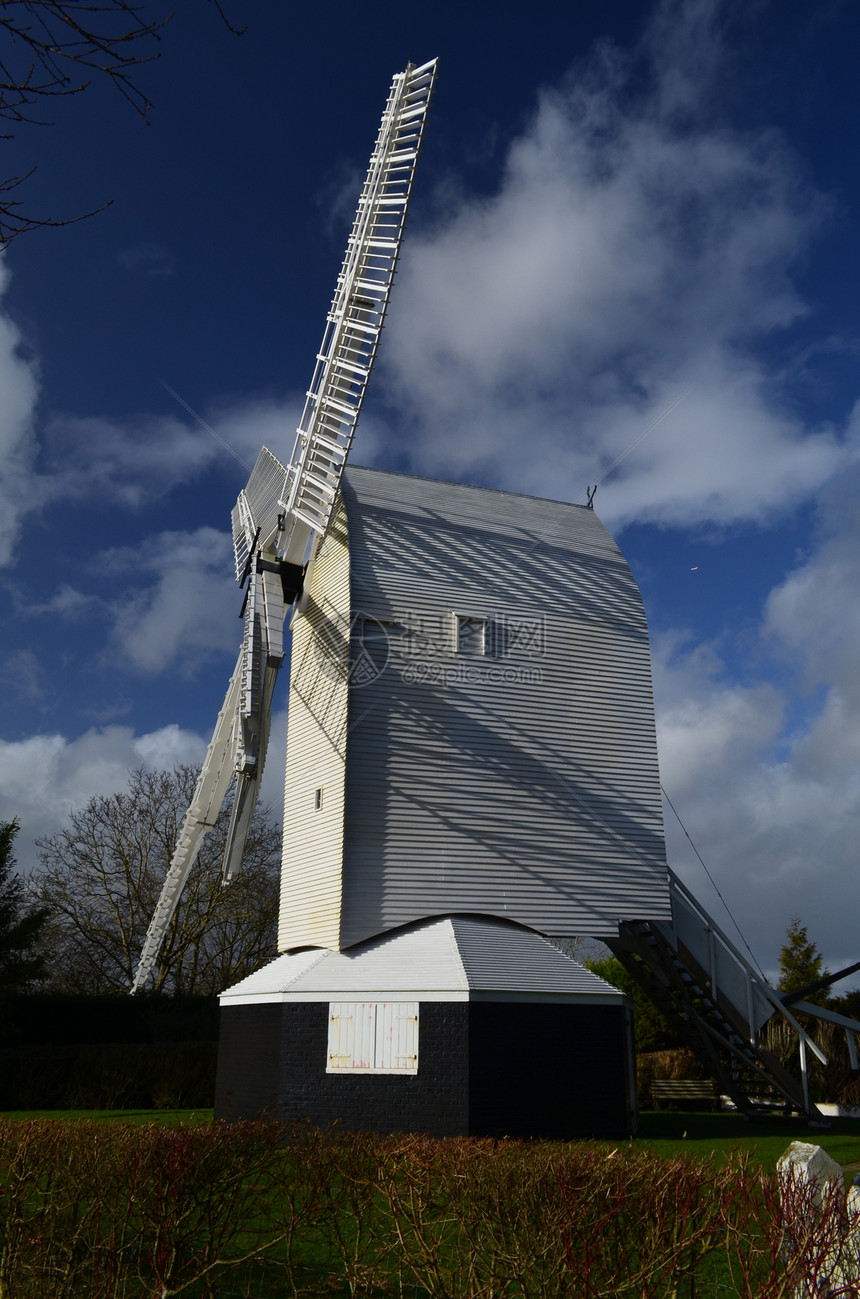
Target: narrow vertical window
318,800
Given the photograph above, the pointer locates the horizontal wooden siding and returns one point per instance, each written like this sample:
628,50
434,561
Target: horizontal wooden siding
519,782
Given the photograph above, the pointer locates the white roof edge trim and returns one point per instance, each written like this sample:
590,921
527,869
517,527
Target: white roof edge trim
423,996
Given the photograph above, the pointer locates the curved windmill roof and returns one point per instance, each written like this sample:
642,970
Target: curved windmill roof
457,958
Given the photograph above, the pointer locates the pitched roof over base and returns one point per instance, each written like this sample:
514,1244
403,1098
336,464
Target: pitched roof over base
455,958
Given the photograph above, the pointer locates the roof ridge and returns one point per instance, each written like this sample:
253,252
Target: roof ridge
321,954
472,487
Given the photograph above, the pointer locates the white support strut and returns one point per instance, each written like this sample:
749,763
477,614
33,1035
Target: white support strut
283,512
209,794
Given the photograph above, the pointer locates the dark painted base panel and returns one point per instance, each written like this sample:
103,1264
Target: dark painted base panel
484,1069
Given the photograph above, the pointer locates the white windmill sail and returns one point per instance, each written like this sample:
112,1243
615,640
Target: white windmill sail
284,511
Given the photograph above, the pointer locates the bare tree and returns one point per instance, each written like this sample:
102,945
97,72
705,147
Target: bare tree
102,875
50,49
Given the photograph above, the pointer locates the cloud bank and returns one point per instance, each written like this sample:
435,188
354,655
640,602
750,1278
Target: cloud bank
45,777
638,250
186,612
18,396
49,459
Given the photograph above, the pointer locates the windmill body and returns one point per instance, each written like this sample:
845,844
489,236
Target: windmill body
471,725
471,765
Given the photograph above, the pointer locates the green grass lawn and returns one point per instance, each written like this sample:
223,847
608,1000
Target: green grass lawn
121,1116
669,1132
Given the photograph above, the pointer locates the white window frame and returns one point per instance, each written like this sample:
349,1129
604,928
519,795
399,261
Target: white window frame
459,619
372,1037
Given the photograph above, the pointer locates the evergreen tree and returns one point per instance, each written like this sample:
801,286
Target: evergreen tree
21,961
651,1029
800,962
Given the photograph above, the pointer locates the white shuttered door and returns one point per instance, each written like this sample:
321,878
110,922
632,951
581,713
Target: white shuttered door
373,1037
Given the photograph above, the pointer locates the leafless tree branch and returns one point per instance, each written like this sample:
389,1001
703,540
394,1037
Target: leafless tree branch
101,877
50,49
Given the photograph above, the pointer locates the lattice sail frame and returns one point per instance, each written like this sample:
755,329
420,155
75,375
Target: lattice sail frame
283,512
303,494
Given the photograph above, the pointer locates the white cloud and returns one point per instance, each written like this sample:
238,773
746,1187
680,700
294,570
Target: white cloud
187,614
129,463
248,425
126,463
708,725
18,394
170,746
135,461
814,615
22,673
272,784
771,800
45,777
151,259
636,247
67,602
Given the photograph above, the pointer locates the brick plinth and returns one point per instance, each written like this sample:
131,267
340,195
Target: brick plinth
486,1068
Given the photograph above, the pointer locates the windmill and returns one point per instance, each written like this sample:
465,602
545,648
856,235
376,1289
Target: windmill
471,766
284,511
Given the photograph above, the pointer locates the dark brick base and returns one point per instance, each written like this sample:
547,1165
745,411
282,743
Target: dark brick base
484,1069
549,1070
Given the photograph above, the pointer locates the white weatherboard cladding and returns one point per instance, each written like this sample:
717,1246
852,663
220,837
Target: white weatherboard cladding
522,782
316,746
458,958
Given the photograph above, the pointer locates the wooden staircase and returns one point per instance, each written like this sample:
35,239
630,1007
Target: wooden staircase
718,1004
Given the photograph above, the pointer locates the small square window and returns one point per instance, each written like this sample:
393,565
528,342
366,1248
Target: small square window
471,636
